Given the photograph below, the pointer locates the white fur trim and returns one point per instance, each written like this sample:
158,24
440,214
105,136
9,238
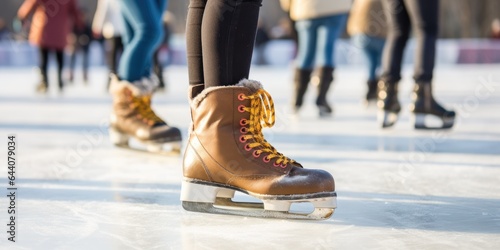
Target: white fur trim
251,84
138,88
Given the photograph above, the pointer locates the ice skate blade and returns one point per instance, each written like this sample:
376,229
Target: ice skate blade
169,148
198,196
202,207
419,121
386,118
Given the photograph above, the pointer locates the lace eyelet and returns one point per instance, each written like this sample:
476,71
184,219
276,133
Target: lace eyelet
243,139
241,97
266,159
283,165
247,147
241,108
276,164
243,122
256,154
243,130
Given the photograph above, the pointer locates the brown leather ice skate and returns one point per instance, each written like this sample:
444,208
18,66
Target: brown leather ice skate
132,116
227,152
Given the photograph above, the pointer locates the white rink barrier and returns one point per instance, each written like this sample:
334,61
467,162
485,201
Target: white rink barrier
280,52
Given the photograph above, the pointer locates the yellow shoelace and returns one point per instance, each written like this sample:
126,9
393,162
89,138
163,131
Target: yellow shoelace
143,106
262,115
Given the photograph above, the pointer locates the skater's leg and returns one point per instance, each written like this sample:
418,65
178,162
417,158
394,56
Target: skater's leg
228,36
60,65
329,30
85,61
43,54
141,17
44,61
399,25
193,41
227,151
308,39
328,33
424,18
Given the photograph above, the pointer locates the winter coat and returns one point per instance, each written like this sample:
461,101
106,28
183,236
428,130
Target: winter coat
367,17
108,20
52,21
310,9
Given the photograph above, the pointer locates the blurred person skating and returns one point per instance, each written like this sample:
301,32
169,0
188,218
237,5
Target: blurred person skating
226,150
132,89
367,27
108,24
319,24
80,44
49,31
422,16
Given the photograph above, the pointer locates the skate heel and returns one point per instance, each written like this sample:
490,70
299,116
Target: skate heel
387,118
118,138
203,193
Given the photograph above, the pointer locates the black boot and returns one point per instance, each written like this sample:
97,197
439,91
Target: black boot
301,81
388,103
424,104
325,76
371,94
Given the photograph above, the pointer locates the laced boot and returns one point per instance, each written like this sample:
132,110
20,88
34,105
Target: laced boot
227,152
388,103
424,104
301,81
132,116
325,79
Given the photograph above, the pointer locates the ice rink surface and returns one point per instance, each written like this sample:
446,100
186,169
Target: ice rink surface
397,188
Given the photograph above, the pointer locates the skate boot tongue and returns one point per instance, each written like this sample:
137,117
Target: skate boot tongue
262,115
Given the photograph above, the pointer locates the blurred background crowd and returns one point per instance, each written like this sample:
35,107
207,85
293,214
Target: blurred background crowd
468,30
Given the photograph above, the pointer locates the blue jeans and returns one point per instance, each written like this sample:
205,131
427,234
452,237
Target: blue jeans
373,47
143,33
317,40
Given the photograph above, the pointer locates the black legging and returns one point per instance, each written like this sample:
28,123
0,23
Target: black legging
220,39
113,55
422,15
44,63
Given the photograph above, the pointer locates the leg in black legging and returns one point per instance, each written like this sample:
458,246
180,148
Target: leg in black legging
221,36
424,18
44,61
399,30
193,38
85,61
72,62
60,61
158,68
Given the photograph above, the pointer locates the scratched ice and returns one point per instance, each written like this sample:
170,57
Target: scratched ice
397,188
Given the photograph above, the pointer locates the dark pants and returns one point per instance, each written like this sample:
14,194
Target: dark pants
44,63
85,59
114,52
143,34
422,16
220,38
